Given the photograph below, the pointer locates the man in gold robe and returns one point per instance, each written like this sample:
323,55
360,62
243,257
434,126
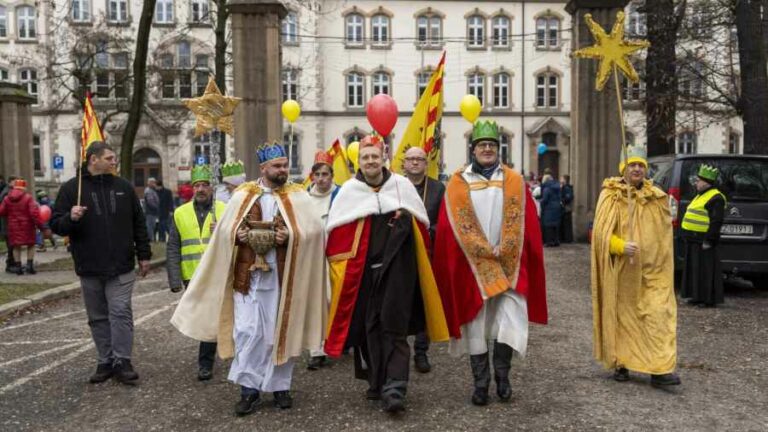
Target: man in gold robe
633,296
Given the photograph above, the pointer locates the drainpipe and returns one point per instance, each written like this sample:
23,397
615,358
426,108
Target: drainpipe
522,99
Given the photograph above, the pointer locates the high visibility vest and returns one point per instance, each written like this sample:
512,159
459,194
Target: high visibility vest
696,218
194,240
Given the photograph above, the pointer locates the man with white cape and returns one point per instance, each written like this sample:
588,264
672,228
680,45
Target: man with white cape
263,309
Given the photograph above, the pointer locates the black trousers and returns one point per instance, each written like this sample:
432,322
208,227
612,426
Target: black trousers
421,343
207,355
383,361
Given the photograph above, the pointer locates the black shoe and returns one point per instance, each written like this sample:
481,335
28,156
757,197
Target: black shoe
503,389
30,269
283,399
665,380
621,374
124,371
421,362
247,404
16,268
104,372
204,374
692,302
480,396
372,394
394,402
316,362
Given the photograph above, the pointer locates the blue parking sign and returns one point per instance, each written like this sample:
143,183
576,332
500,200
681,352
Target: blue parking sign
201,160
58,162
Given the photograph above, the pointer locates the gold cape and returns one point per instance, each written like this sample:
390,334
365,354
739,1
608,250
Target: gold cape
633,300
206,310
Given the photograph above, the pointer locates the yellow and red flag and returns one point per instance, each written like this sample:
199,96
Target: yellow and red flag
422,127
91,130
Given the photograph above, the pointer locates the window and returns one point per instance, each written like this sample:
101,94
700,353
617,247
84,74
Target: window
291,144
164,12
546,90
633,91
547,32
355,29
381,83
102,84
185,55
202,146
201,74
3,22
27,22
429,29
199,11
733,143
635,25
291,28
500,32
101,56
120,65
690,83
290,84
37,157
475,31
3,75
185,84
476,86
422,81
380,29
501,90
117,10
179,76
355,83
504,148
686,143
28,78
81,11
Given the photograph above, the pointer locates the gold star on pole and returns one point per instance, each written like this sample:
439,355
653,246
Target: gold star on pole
213,110
612,50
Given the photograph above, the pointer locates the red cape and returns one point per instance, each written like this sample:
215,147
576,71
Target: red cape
458,287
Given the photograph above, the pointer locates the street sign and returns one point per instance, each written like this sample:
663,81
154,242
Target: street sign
58,162
201,160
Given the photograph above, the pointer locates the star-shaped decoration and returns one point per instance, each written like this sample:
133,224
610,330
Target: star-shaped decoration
213,110
612,50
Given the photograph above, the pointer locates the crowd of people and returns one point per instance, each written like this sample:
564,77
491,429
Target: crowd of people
271,269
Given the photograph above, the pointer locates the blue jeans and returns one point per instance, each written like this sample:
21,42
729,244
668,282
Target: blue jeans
151,224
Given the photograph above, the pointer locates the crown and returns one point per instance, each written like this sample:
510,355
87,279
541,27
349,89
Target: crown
708,172
372,140
267,152
322,157
201,173
636,153
485,130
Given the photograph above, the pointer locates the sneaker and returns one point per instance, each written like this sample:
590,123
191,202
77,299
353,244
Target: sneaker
421,362
104,372
247,404
124,372
315,362
204,374
621,374
283,399
665,380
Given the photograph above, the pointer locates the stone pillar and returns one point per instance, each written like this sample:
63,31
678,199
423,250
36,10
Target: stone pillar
16,133
257,65
596,131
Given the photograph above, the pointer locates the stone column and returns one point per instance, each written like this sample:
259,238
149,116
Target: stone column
16,133
596,131
257,65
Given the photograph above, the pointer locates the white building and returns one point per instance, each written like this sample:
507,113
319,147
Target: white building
513,55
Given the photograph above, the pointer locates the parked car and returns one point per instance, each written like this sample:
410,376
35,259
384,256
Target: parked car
744,181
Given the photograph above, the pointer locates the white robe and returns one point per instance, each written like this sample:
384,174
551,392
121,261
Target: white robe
323,204
255,319
505,316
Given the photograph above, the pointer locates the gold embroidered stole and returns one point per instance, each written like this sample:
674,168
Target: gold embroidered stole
494,273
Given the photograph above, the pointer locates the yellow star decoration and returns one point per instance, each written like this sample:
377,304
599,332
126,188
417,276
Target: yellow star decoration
213,110
612,50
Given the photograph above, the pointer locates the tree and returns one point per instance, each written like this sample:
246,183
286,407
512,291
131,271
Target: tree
139,89
753,100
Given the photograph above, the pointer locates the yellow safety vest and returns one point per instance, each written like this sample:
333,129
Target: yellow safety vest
193,239
696,218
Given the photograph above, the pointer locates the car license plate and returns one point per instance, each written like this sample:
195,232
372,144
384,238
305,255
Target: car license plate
737,229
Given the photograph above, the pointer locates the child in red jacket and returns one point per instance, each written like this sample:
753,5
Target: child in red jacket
23,218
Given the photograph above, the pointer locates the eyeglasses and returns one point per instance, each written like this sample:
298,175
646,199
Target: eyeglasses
415,159
487,145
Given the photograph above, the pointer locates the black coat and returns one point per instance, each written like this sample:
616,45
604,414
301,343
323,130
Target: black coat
432,200
112,233
551,207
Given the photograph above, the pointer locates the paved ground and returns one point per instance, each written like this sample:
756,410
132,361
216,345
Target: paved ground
42,276
46,358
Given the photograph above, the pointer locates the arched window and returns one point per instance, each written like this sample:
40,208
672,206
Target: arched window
547,90
476,31
355,30
547,32
291,28
81,11
501,88
355,86
28,78
26,22
429,30
500,26
3,22
381,83
380,29
164,12
476,86
687,143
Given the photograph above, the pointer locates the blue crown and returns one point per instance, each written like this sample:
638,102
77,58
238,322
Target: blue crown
267,152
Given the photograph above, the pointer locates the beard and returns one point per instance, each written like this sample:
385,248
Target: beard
278,179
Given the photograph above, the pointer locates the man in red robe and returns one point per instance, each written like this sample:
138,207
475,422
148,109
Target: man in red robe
489,264
381,281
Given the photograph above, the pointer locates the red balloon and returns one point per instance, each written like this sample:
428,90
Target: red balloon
45,214
382,113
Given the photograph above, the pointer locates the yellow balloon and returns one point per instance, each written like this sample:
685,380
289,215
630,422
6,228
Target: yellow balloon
353,149
291,110
470,108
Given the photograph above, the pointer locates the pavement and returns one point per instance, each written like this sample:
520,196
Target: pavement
47,356
49,255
